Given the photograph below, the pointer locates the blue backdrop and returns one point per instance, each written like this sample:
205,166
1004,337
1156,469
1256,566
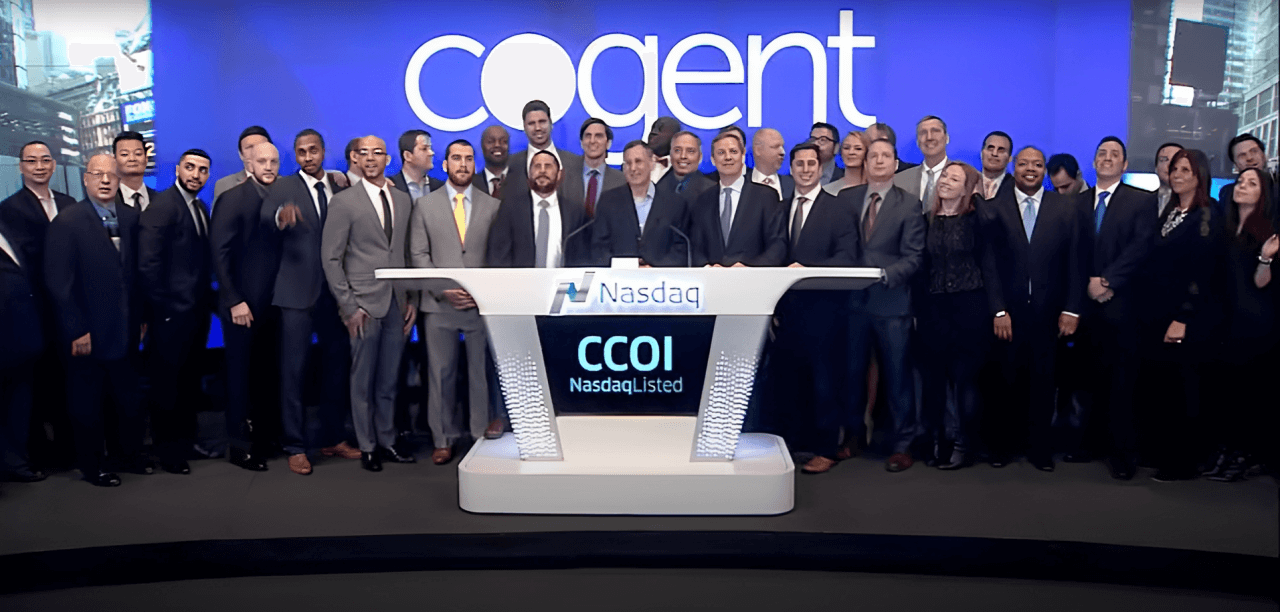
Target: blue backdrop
1053,74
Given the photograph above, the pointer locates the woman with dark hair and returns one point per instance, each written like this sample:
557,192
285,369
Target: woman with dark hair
956,321
1179,315
1240,423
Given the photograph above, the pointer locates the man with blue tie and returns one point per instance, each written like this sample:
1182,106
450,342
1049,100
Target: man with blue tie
738,223
1118,237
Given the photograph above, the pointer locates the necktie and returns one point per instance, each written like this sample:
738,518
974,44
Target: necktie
726,215
991,188
928,191
542,236
1100,211
322,196
387,222
1029,217
196,209
137,201
797,221
496,189
1163,201
869,222
593,186
682,184
460,216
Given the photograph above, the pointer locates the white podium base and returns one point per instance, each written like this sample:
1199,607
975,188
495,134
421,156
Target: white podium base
628,465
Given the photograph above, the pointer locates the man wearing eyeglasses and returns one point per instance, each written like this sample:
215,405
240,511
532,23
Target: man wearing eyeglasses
826,136
90,260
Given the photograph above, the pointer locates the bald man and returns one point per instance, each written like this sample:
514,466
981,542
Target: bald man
367,229
495,144
246,256
769,151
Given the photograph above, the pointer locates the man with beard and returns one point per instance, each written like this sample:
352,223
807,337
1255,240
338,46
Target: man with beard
494,143
534,227
660,143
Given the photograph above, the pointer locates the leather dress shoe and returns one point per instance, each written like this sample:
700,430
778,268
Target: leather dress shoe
299,464
103,479
24,474
898,462
818,465
341,449
846,451
494,430
959,459
391,455
441,456
179,466
371,462
1077,457
1044,464
1122,469
247,460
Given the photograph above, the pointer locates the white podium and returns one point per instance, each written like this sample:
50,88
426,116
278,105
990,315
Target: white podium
680,465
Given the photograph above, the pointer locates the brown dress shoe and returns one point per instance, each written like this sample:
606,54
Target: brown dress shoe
441,456
818,465
341,449
898,462
299,464
846,451
494,430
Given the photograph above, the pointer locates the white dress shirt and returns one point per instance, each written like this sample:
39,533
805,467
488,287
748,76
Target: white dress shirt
353,178
8,249
127,193
551,148
808,208
759,177
373,191
49,205
1110,189
554,233
659,169
311,188
735,194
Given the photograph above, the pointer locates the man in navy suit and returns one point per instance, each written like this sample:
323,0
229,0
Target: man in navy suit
997,147
1036,235
416,159
636,220
685,178
738,222
1118,235
131,160
297,208
21,329
89,270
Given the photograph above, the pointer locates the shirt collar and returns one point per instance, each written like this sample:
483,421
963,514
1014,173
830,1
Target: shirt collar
453,192
490,175
311,180
648,194
373,190
1109,188
127,192
48,190
552,201
109,207
737,185
186,195
586,170
942,164
1023,197
758,177
812,195
884,193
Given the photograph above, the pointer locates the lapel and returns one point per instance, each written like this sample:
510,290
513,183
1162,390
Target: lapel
891,201
369,214
736,226
302,195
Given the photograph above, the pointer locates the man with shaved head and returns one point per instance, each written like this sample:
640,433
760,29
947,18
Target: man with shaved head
769,151
90,260
367,229
246,255
495,143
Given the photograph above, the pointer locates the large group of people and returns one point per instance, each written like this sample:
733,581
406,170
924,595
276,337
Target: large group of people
1143,321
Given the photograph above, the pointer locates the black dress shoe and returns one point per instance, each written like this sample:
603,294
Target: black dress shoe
103,479
371,462
249,461
24,474
391,455
1076,457
1044,464
1122,469
178,466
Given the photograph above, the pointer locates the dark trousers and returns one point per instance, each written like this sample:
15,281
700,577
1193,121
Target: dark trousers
806,363
252,376
1169,379
174,346
15,415
413,359
90,382
49,405
1022,408
331,361
955,331
1109,359
1241,384
892,337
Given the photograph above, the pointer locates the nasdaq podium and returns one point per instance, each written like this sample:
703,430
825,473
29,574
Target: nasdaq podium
601,371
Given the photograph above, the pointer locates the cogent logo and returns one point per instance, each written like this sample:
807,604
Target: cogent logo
531,66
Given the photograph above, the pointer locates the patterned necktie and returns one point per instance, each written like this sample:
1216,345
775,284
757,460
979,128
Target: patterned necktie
593,187
797,221
496,189
1029,217
1100,211
386,215
542,235
726,215
869,222
460,216
322,196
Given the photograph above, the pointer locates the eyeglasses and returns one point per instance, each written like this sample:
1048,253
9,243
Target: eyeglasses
824,139
370,152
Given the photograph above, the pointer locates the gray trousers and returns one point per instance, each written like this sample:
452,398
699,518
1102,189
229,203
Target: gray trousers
375,368
442,374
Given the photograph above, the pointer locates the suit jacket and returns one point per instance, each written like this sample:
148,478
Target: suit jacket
227,183
908,180
896,244
830,235
91,283
573,189
904,165
434,241
1042,276
1118,251
398,179
173,259
19,313
788,186
24,218
1005,188
511,239
517,178
151,197
757,237
698,183
299,277
616,232
246,254
479,181
354,244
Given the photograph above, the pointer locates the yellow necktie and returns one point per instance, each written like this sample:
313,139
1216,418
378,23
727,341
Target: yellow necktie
460,217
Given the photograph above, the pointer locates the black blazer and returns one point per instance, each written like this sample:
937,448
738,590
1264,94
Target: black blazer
511,239
22,214
895,244
830,236
698,183
478,181
19,314
616,232
402,184
151,197
1119,250
758,236
788,186
1005,189
517,176
173,260
91,283
1184,278
299,277
246,255
1050,263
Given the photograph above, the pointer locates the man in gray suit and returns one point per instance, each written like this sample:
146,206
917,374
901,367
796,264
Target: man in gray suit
251,135
921,181
449,228
366,230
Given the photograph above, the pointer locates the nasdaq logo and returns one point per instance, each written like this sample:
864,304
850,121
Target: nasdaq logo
573,292
607,292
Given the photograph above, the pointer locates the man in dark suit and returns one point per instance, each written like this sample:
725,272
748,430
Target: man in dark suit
1246,151
175,269
685,179
21,329
536,116
1036,236
636,220
827,138
893,233
495,143
660,134
534,227
997,147
298,207
131,161
26,215
879,130
246,256
250,136
416,159
89,269
769,151
1118,236
596,177
739,222
714,175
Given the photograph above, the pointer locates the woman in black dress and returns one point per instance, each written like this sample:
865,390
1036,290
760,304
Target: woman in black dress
956,323
1180,315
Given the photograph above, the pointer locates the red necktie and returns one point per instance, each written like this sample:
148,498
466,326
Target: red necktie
593,186
496,190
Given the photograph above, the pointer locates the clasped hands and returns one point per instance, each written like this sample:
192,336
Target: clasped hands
1099,290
